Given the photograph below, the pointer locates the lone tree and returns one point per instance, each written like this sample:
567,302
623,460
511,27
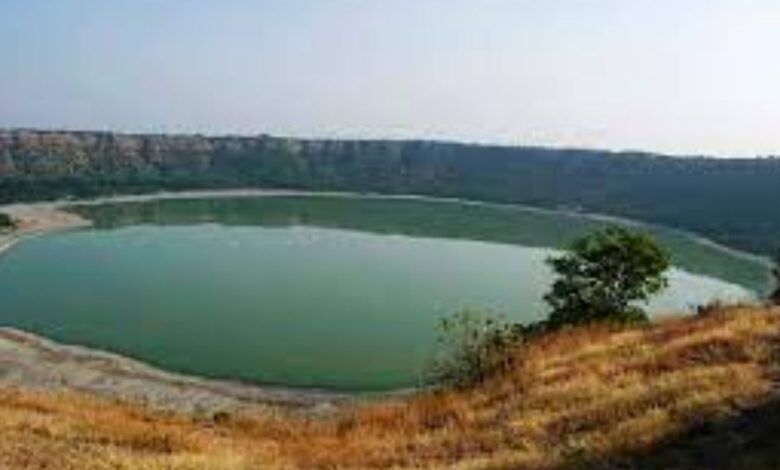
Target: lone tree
603,277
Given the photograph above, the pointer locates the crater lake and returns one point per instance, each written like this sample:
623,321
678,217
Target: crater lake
312,291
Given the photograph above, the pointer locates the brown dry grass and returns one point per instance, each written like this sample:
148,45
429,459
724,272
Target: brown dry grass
577,397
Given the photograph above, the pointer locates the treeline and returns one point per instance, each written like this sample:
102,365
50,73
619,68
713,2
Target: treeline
731,201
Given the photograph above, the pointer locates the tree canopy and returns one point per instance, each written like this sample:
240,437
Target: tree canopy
605,276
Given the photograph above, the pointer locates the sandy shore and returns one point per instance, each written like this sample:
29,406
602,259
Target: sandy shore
35,219
33,362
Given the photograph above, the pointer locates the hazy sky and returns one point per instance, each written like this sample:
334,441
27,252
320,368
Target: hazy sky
680,76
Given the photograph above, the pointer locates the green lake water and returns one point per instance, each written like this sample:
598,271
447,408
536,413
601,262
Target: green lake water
309,291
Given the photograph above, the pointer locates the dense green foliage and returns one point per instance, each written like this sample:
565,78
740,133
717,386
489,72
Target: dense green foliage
732,201
604,276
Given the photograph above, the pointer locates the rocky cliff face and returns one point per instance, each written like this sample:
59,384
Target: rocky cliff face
52,154
55,154
35,164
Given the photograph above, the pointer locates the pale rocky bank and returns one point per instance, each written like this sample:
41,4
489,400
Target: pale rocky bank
32,362
35,219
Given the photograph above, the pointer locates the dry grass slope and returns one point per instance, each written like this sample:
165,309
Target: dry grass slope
592,397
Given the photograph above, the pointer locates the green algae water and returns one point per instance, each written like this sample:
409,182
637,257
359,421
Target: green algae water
309,291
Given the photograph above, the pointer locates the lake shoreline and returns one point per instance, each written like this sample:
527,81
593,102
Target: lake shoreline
50,214
33,362
37,219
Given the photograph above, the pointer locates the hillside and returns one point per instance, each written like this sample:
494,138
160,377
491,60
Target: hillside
731,201
682,393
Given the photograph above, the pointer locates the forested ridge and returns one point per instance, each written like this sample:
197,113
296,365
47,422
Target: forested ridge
733,201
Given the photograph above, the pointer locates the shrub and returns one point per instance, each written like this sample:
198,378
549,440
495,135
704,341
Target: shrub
603,277
6,222
473,347
774,297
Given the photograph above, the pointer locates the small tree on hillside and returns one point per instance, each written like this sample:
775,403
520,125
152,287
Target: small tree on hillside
473,347
603,277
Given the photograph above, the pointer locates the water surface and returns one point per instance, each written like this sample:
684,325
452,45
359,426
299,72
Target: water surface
308,291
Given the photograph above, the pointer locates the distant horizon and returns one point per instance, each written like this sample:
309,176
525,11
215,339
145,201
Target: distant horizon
690,77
